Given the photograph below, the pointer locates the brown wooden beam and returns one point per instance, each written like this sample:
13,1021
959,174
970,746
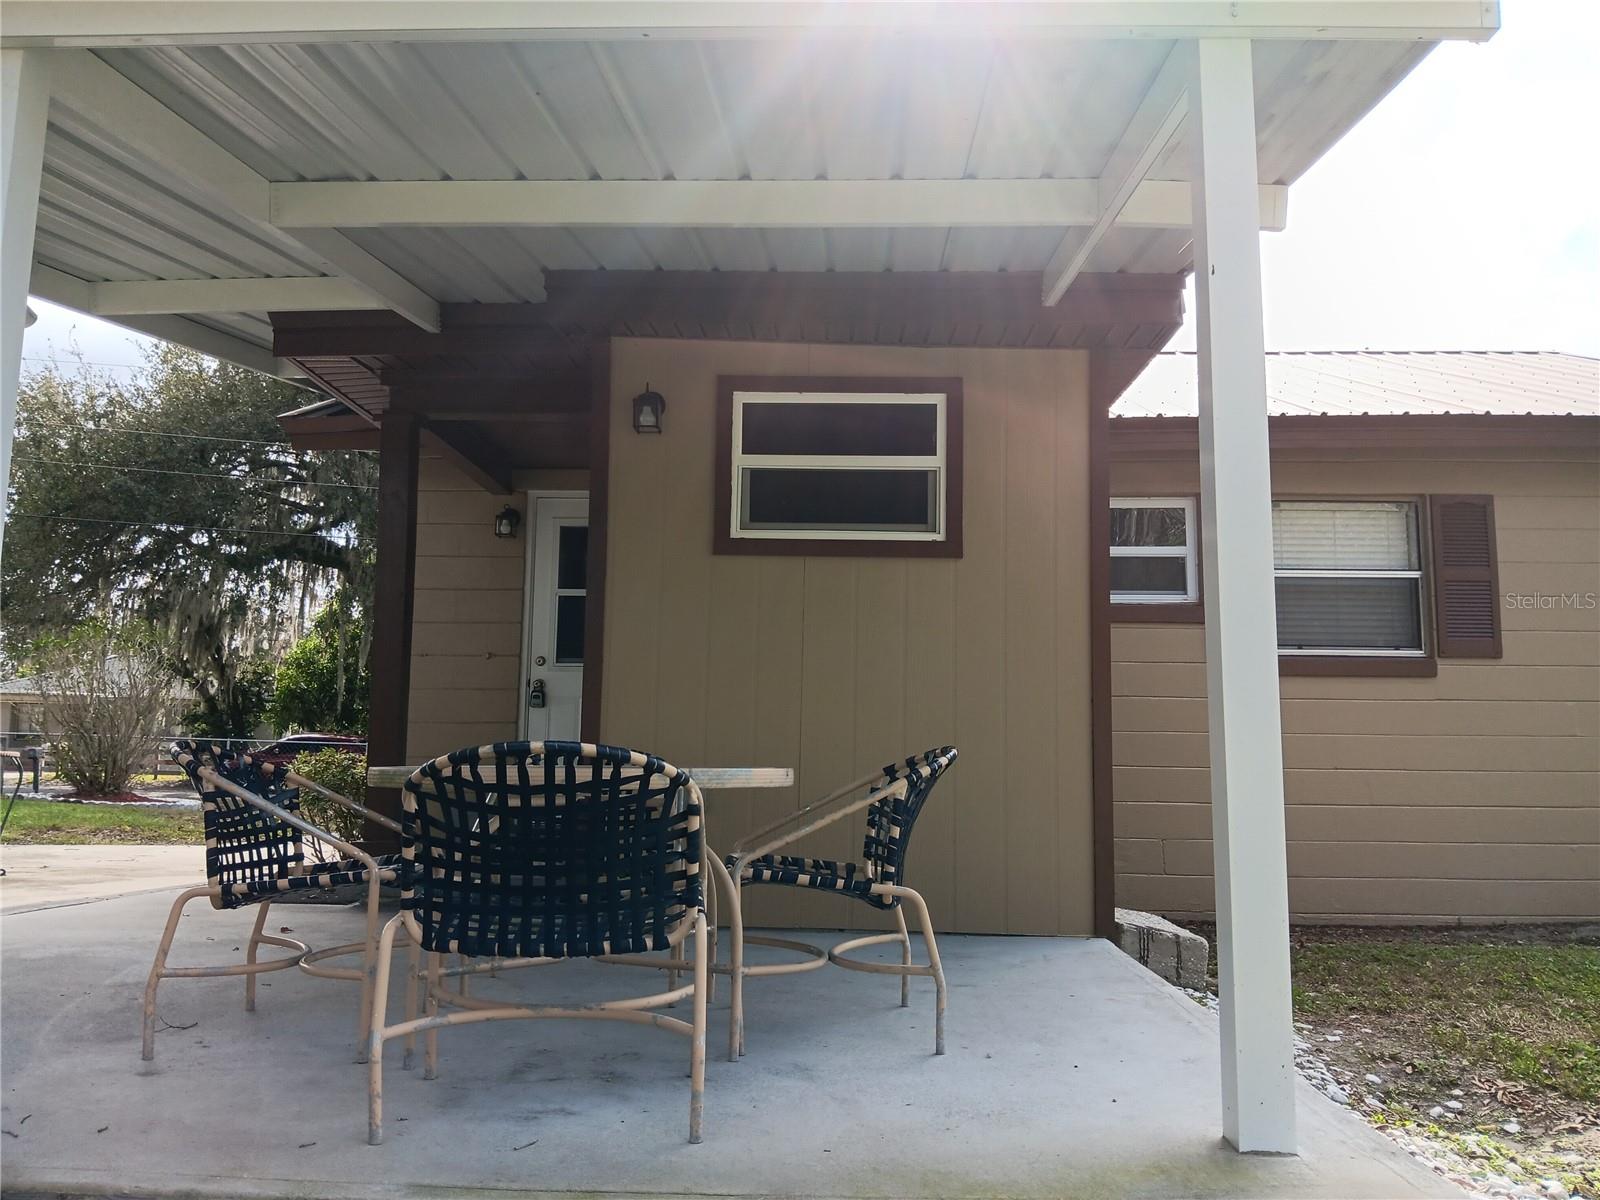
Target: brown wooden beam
495,400
927,308
349,432
392,608
594,609
1110,373
479,463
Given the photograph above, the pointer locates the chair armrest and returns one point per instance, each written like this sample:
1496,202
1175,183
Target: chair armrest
852,797
288,818
377,818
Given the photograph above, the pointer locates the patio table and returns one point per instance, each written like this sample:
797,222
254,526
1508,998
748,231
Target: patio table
709,778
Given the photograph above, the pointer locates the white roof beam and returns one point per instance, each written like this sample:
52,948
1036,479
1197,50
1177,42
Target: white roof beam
745,203
160,22
318,293
1155,123
192,162
79,295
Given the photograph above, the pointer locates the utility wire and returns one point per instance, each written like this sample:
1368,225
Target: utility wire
338,539
61,462
199,437
87,362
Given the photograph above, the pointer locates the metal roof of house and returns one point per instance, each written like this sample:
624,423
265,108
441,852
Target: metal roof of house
959,106
1387,383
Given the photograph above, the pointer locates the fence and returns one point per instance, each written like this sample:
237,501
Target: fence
157,761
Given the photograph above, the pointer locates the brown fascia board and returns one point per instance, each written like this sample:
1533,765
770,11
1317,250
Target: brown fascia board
348,431
1134,437
936,308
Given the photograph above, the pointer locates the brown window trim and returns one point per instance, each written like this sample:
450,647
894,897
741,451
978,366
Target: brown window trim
1355,666
1359,665
1190,612
1179,612
723,541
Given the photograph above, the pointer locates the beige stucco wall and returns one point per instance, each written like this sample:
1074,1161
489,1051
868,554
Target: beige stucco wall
1475,794
835,665
466,628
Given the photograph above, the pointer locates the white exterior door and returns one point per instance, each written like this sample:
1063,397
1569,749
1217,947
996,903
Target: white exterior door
552,669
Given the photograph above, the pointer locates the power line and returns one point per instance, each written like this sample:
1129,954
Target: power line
61,462
86,362
332,537
199,437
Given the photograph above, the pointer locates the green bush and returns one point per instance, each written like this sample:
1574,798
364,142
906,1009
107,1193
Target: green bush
342,771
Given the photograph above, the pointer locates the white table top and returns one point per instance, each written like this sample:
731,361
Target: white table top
709,778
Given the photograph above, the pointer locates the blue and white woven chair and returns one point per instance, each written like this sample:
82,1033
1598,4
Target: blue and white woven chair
255,854
893,798
526,854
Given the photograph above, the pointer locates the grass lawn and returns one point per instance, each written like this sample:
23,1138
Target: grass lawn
54,823
1502,1022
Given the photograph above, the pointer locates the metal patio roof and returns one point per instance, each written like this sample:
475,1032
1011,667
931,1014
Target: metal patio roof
1387,383
207,164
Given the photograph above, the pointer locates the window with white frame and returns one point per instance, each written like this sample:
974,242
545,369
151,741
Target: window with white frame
1154,551
868,466
1349,577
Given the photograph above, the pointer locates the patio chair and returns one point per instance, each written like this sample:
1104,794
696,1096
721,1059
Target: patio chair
893,798
255,854
530,853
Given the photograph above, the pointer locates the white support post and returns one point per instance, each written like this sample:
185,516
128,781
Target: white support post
24,105
1247,816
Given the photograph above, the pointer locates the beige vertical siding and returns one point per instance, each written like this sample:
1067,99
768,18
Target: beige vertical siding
466,630
835,665
1474,795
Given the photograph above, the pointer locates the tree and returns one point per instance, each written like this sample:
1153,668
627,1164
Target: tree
109,696
173,499
322,681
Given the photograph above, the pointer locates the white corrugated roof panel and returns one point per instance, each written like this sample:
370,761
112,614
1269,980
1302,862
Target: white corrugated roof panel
1387,383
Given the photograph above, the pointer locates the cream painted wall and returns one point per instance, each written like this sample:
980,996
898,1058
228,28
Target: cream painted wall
1471,796
834,666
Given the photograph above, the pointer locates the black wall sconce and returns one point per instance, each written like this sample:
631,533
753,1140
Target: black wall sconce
648,409
506,522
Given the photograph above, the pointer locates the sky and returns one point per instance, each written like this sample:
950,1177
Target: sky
1462,214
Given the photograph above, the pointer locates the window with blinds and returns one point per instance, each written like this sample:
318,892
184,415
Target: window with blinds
1349,577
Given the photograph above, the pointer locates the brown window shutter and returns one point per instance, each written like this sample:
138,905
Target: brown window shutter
1466,577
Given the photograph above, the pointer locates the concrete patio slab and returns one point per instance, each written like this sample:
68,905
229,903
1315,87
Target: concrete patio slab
1072,1072
46,876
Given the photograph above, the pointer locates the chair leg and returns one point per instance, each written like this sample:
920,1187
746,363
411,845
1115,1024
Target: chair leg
905,955
674,955
933,961
697,1051
430,1006
376,1023
158,970
250,956
413,965
736,973
711,939
369,970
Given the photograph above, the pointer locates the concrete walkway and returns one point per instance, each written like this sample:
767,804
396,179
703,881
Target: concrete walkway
1071,1072
48,876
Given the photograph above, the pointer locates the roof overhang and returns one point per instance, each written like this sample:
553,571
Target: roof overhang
209,164
96,23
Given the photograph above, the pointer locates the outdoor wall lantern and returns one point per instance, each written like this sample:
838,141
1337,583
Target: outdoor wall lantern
506,522
648,407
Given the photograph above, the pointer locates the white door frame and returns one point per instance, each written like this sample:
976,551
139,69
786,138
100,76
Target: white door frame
529,556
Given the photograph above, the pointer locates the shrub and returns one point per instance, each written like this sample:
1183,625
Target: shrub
342,771
103,687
